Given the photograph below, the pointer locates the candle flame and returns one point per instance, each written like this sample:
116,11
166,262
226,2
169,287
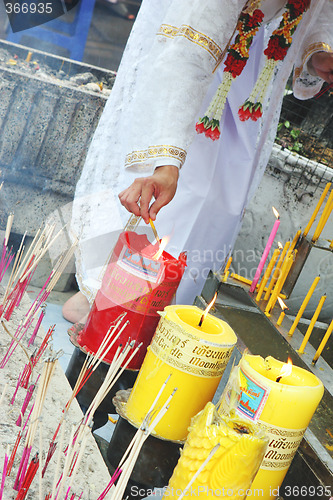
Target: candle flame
282,304
280,245
285,370
208,308
276,213
163,243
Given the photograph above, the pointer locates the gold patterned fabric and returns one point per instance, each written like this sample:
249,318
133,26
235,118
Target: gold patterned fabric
193,36
153,152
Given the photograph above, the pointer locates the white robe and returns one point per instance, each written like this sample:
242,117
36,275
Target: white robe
164,84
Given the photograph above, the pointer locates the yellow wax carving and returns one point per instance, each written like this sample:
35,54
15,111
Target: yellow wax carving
282,409
231,469
194,356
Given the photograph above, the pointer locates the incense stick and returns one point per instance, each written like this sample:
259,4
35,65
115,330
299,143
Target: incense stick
203,465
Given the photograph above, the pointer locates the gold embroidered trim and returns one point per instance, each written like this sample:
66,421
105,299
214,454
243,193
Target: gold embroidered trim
193,36
155,152
314,47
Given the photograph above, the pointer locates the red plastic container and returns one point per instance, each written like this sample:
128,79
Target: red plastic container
135,283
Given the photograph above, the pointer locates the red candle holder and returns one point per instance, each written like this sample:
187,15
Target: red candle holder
135,282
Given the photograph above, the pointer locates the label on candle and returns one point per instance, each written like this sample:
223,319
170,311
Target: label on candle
283,444
128,284
140,266
252,398
188,353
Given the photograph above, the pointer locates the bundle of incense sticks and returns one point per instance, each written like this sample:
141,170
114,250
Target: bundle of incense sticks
90,364
24,267
25,404
47,372
35,357
40,300
6,258
17,442
30,474
78,440
4,473
127,463
109,486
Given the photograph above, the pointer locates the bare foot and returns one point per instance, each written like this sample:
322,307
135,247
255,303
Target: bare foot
76,309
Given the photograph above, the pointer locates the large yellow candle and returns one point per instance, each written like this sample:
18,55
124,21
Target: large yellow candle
283,409
304,304
220,458
194,356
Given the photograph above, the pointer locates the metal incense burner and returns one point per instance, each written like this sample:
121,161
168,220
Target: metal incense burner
303,247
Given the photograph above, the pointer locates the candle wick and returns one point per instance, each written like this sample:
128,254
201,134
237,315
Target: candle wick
278,379
201,320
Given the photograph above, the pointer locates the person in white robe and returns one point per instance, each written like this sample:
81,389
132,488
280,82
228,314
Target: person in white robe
146,134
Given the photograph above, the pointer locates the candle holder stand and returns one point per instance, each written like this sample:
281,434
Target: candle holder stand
260,334
303,247
157,459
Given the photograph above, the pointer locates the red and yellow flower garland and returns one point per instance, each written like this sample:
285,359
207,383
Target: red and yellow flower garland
238,54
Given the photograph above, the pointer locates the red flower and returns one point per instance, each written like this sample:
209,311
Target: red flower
234,66
244,113
213,130
213,134
254,20
274,49
200,127
256,112
298,6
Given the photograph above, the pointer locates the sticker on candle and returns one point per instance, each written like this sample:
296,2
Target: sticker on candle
187,353
252,397
140,266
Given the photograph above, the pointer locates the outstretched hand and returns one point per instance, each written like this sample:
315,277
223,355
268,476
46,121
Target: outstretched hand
322,64
161,185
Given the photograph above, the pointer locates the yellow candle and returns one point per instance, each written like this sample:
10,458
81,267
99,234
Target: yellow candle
323,343
281,318
276,273
241,279
316,210
239,445
295,240
312,324
29,55
283,409
267,273
228,265
282,315
324,216
286,266
304,304
194,356
226,270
